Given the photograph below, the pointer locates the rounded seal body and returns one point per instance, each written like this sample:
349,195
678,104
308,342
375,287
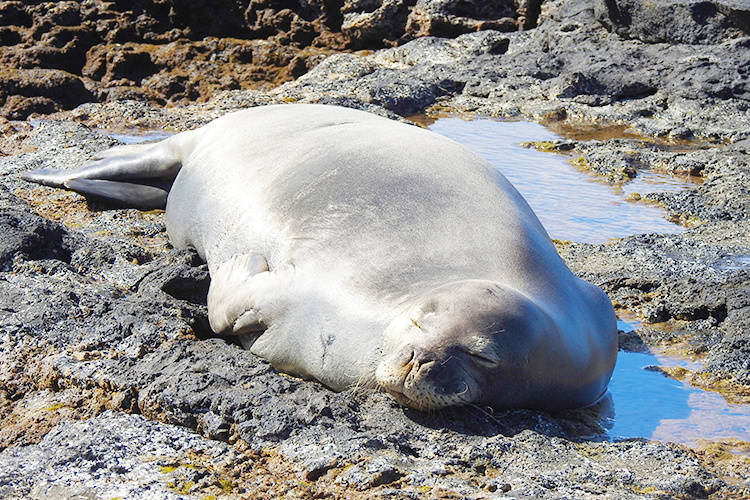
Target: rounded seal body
391,255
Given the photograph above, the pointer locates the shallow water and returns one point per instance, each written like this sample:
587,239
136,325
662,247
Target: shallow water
649,404
572,204
136,136
734,262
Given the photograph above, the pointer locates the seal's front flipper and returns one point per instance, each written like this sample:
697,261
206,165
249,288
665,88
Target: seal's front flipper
135,176
233,295
140,196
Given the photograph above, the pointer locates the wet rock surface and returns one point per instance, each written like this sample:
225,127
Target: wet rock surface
101,320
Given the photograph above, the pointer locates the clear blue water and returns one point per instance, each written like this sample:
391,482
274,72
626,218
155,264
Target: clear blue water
136,136
572,204
734,262
648,404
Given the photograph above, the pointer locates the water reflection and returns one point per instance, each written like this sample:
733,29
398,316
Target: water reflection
650,405
136,136
734,262
571,204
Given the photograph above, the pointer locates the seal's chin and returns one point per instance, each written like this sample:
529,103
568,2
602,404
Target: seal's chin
419,379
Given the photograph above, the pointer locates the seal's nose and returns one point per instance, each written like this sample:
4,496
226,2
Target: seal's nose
415,357
423,378
403,358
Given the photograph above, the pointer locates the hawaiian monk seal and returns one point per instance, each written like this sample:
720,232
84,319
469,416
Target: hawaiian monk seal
349,248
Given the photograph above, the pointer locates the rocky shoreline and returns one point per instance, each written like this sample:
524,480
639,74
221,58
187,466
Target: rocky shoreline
112,384
58,55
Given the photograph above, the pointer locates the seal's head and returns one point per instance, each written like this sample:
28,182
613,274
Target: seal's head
464,342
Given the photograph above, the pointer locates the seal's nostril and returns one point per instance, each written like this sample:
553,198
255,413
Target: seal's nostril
422,356
406,357
415,356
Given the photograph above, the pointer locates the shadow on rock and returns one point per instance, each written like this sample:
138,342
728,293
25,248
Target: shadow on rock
585,423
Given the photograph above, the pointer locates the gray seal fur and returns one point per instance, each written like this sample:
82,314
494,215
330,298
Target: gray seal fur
353,249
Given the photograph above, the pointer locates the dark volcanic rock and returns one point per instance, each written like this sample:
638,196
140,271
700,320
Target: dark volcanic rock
450,18
569,67
30,238
389,22
14,14
691,21
25,91
9,36
170,51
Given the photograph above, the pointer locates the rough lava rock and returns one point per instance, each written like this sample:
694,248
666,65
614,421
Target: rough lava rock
178,52
691,21
569,68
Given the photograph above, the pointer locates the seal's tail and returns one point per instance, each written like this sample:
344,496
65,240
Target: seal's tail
137,176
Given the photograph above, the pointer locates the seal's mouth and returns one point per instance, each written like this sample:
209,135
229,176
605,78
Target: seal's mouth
405,400
426,398
418,379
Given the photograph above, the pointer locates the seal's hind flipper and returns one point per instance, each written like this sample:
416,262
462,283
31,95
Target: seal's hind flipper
52,177
136,176
128,194
155,162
